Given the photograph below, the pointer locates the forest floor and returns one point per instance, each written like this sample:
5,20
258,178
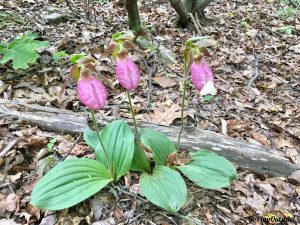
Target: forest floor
253,40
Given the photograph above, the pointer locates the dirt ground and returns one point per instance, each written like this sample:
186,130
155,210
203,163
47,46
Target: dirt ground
251,42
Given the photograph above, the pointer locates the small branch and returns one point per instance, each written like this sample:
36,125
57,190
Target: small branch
72,147
129,193
191,219
9,147
167,217
256,72
282,52
247,155
150,75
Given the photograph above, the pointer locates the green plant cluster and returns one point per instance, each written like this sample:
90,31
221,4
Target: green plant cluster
119,150
72,181
22,51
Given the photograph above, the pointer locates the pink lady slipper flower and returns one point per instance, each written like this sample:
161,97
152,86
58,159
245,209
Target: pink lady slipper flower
91,91
127,71
202,77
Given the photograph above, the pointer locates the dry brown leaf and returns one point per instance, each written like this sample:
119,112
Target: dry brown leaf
164,82
266,188
118,214
295,176
284,142
257,202
239,187
171,159
237,124
165,116
260,138
183,158
11,203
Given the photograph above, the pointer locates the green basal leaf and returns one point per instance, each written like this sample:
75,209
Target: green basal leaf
209,170
164,188
75,57
69,183
140,161
22,51
91,138
158,143
119,143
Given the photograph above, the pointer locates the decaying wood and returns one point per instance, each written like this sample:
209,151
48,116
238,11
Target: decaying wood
247,155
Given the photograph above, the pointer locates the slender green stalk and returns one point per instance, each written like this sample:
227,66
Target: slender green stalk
182,110
109,163
133,117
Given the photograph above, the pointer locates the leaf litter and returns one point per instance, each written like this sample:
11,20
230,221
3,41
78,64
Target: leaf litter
266,113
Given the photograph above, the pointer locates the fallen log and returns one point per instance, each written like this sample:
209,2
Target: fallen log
247,155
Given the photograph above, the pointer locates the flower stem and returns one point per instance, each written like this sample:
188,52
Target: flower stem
109,163
182,110
133,117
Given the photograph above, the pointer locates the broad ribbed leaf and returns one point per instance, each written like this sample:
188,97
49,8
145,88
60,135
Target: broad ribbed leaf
119,143
165,188
90,138
159,144
209,170
140,161
22,51
69,183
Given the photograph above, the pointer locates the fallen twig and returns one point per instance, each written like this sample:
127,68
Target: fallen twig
255,157
164,215
9,147
75,143
129,193
256,72
151,74
282,52
191,219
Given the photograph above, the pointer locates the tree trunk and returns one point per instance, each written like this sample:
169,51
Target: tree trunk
182,12
133,14
200,5
188,5
184,7
252,156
